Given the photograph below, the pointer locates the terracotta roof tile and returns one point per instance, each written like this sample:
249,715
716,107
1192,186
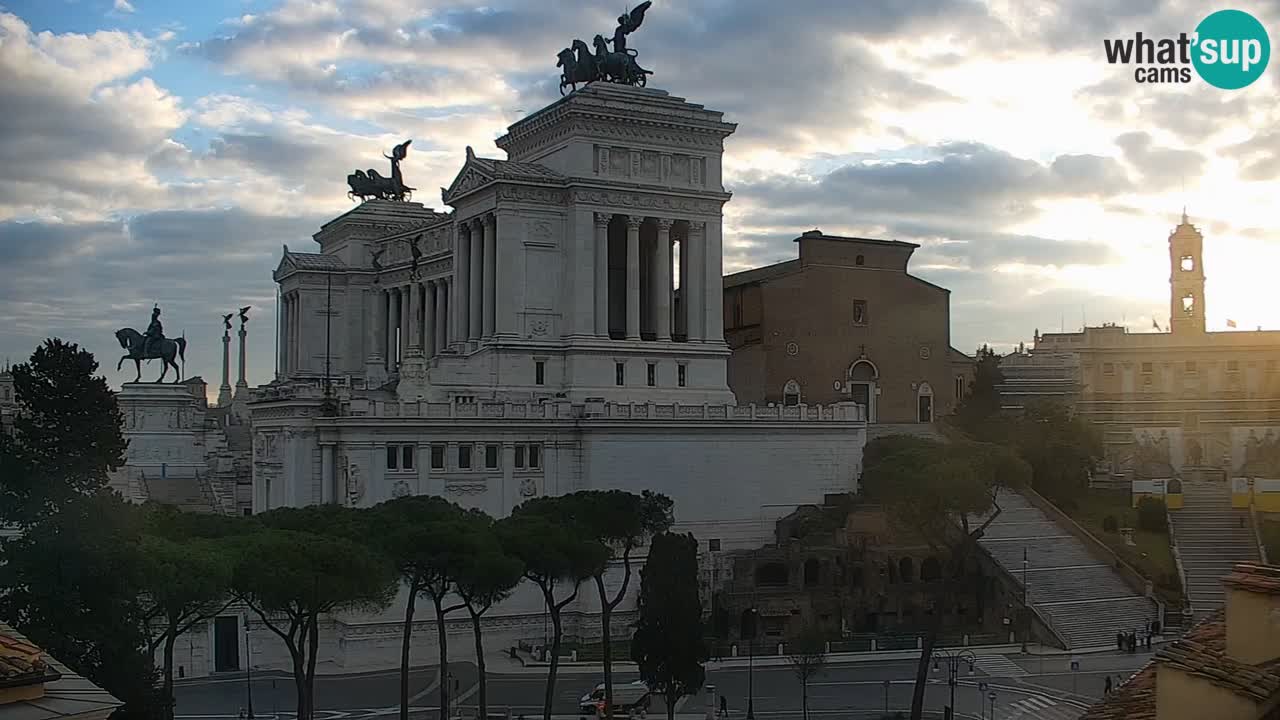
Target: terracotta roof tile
1133,700
1263,579
1202,653
19,660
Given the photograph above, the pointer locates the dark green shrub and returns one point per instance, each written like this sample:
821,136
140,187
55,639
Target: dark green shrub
1151,515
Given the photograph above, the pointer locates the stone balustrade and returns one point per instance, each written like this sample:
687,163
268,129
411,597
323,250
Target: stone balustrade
600,410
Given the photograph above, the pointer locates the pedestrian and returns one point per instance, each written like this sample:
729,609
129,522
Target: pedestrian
724,706
1107,689
1120,641
1133,642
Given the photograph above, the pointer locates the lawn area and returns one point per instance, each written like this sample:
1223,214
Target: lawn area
1271,538
1152,555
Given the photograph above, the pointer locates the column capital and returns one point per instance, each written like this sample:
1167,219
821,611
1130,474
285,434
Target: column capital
602,219
697,227
634,221
664,224
490,220
476,223
463,228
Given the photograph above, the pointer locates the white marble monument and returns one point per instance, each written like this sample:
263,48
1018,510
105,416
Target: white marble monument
560,329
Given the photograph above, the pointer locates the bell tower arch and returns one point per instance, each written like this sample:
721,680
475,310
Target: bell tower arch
1186,279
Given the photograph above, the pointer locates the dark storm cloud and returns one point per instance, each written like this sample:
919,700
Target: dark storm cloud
821,74
966,181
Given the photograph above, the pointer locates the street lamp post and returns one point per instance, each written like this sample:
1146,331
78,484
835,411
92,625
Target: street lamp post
886,698
952,661
751,665
248,669
992,697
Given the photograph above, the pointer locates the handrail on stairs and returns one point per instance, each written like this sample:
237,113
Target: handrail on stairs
1257,528
1177,561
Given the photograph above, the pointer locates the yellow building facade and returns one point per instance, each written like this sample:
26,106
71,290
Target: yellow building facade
1204,404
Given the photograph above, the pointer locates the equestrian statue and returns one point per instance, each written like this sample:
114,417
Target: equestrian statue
370,184
580,65
152,345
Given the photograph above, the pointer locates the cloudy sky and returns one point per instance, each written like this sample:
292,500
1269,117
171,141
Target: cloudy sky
164,151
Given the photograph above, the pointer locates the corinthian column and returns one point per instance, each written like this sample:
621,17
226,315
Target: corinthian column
461,283
490,274
602,274
633,276
475,298
662,282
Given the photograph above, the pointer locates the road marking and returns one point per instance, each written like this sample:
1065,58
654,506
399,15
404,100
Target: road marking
999,666
426,691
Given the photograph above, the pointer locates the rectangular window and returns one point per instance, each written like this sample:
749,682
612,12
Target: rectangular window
1108,368
406,455
1146,368
437,457
491,456
519,456
859,312
393,457
959,387
464,457
651,376
539,372
713,544
620,373
680,375
1190,367
1271,365
1233,366
535,456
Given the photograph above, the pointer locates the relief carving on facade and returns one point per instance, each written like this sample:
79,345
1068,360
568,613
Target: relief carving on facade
528,488
465,488
547,196
645,201
400,489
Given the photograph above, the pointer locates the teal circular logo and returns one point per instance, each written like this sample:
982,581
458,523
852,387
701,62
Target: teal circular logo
1231,49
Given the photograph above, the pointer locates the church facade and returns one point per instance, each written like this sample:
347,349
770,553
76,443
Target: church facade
559,329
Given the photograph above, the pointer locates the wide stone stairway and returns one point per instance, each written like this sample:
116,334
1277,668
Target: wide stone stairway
1211,537
183,492
1082,597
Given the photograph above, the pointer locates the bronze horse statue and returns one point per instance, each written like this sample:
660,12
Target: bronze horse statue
165,350
372,184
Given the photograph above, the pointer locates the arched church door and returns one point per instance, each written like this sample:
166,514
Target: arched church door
863,376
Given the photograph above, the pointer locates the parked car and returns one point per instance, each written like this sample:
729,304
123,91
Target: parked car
626,697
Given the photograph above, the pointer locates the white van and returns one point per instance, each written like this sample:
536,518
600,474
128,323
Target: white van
626,697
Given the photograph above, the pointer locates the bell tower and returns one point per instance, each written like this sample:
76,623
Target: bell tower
1186,280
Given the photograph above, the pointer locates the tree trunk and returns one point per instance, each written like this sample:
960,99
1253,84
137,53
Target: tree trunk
167,692
312,647
804,697
405,639
300,682
606,648
555,658
672,699
922,667
482,695
443,640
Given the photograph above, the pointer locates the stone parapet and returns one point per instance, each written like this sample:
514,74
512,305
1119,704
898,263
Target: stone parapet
590,410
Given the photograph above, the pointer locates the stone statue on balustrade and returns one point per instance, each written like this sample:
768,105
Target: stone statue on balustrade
1262,456
1150,458
152,345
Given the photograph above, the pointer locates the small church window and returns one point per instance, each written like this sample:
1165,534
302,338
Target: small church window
1188,263
539,372
1188,304
860,261
859,312
791,393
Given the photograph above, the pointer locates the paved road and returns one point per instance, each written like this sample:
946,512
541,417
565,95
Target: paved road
1027,688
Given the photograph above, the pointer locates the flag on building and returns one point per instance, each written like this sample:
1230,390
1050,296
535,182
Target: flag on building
1231,323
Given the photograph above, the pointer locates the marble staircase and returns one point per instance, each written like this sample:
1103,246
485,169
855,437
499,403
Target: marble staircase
185,492
1211,537
1083,598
